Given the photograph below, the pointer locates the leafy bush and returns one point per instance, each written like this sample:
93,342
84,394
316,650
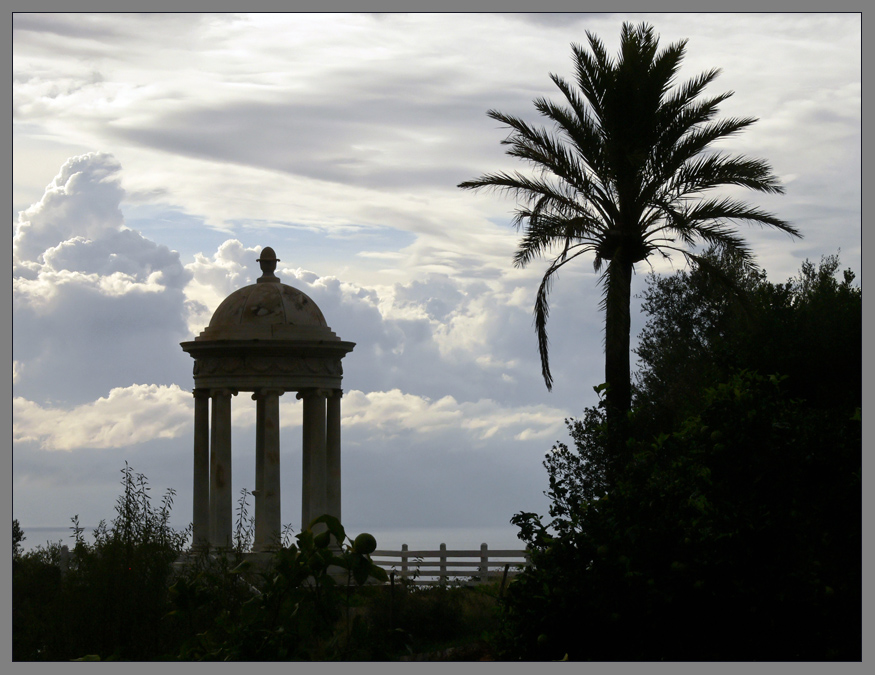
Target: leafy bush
290,607
135,593
105,598
734,537
705,323
730,526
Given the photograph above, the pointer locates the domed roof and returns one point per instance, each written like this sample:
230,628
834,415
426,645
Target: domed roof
265,304
267,309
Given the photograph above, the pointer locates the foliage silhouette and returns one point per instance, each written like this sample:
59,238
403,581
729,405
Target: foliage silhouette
17,538
103,598
287,607
136,593
734,537
735,531
808,329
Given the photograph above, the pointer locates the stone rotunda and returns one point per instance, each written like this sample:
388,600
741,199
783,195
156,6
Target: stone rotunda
268,338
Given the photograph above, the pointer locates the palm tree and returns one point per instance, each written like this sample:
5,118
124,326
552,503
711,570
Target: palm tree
622,176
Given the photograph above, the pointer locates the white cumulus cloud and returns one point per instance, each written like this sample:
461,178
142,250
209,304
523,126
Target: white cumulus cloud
125,417
95,304
388,414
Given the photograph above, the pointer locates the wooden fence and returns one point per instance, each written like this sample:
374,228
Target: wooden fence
441,567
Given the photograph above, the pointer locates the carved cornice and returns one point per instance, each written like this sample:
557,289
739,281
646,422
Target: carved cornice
267,365
315,348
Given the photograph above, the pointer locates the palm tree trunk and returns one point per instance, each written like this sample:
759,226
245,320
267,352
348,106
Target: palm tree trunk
618,398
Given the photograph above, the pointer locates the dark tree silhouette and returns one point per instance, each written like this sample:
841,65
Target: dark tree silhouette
626,172
808,329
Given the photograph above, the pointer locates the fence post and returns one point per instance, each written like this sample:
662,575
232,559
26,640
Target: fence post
392,600
404,561
484,563
443,569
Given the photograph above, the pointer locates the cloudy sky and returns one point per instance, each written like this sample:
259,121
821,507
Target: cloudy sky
155,155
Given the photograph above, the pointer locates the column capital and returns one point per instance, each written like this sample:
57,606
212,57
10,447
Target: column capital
223,391
200,393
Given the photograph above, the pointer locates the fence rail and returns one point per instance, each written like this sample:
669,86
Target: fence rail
469,567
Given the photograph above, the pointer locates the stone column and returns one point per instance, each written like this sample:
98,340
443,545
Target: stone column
221,507
268,515
332,454
314,474
258,492
200,520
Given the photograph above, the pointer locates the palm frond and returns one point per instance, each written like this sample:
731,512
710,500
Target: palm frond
687,94
706,172
586,132
542,313
717,210
527,188
547,153
684,132
542,232
577,124
593,73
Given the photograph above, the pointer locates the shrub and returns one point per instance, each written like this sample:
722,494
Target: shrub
105,598
135,593
297,607
734,537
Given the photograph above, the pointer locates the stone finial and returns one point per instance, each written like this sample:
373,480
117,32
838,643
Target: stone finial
268,261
